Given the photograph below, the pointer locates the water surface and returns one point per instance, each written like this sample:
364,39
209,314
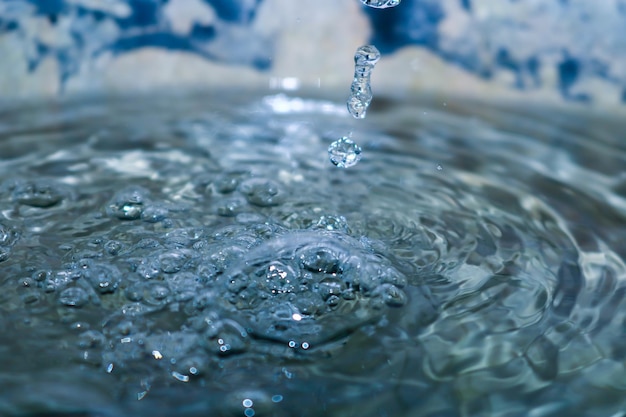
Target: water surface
200,255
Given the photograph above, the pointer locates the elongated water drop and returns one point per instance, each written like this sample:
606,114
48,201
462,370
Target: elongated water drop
344,153
365,59
381,4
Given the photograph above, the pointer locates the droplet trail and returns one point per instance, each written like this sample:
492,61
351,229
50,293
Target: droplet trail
365,58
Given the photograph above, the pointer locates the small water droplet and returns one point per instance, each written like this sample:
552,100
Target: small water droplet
344,153
439,167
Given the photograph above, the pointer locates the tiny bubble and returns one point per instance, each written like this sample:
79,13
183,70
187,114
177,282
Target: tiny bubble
439,167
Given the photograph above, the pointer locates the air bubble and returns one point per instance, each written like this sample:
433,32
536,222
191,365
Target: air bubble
113,247
344,153
381,4
73,297
392,295
280,278
360,98
104,278
38,193
262,192
172,262
128,204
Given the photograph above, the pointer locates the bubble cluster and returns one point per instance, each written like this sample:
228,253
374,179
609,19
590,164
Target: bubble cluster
310,286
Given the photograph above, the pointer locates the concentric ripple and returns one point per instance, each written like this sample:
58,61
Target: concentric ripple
210,255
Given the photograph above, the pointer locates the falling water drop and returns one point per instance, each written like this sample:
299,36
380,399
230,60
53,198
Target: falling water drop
344,153
381,4
365,58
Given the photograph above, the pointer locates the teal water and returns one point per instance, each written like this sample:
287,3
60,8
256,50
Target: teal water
200,255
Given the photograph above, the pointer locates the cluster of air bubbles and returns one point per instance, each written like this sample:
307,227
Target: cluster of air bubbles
302,288
344,153
381,4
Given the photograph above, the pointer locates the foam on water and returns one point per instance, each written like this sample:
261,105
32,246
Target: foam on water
200,255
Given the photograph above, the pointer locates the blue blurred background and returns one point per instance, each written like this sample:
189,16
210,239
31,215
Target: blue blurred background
560,51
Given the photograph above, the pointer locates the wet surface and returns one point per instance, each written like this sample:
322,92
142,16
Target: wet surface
193,256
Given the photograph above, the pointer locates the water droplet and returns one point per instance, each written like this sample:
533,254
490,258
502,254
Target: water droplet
439,167
381,4
365,59
73,297
247,403
344,153
277,398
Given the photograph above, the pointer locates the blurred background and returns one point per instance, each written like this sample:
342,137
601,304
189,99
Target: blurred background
566,51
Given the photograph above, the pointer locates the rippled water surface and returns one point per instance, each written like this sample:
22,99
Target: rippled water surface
201,256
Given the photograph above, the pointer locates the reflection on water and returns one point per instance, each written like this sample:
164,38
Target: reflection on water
198,256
